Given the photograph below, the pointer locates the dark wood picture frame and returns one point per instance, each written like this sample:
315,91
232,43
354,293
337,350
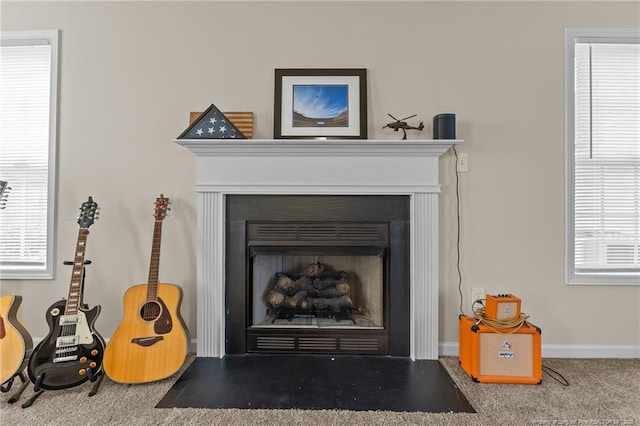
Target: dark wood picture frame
323,103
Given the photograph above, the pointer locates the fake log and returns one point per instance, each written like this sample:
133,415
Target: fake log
343,287
335,304
295,300
329,279
314,270
305,284
315,288
338,303
275,298
330,292
286,285
306,303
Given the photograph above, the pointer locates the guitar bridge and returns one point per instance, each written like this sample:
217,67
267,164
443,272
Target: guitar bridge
65,358
146,341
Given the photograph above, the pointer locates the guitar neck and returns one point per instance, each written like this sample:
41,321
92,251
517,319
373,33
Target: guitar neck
152,287
74,298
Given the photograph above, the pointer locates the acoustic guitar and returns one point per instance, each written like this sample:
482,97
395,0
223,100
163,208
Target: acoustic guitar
15,341
151,343
72,351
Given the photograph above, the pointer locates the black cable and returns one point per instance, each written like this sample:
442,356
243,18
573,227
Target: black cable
458,230
548,370
555,375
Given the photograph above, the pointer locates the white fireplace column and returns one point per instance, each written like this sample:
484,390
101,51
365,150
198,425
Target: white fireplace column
348,167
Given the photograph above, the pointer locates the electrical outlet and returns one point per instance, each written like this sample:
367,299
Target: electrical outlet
463,162
477,293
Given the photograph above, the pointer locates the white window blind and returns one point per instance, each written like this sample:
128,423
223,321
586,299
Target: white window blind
28,74
605,150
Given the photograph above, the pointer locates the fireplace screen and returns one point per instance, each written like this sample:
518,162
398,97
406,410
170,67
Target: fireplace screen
318,291
318,286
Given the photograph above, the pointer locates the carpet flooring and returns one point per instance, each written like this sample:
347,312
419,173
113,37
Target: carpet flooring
601,392
356,383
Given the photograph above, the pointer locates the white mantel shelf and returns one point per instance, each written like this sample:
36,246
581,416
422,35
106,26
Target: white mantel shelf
331,147
308,166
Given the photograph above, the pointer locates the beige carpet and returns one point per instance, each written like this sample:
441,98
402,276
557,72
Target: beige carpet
601,392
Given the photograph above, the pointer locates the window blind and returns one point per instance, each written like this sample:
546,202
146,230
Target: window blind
25,147
607,158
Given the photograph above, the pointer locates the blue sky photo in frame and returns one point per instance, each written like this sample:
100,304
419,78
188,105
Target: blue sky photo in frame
320,105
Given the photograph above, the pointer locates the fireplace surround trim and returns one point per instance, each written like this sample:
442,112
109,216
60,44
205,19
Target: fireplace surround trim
294,147
269,167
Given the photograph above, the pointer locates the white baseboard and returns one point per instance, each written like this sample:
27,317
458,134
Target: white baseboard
566,351
548,351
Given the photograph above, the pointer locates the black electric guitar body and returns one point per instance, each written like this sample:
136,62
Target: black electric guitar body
72,352
56,365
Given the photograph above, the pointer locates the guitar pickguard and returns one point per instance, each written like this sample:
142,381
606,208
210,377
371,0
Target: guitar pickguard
83,334
164,323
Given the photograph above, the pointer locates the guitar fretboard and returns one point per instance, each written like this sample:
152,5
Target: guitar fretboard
152,287
75,287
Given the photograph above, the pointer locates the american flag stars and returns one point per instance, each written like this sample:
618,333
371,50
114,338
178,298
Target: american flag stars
212,124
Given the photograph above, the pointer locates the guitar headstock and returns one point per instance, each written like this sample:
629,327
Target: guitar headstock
89,212
162,207
4,193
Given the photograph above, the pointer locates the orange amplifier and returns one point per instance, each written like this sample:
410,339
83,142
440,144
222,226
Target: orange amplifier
490,357
502,307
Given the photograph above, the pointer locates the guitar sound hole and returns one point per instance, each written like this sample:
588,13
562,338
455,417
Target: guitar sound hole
150,311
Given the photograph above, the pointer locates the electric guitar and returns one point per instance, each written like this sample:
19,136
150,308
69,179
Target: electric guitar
151,343
72,352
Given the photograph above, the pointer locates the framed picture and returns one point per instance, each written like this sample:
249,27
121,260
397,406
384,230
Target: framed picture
320,104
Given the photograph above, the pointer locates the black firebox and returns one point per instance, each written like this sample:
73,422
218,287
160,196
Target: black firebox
317,274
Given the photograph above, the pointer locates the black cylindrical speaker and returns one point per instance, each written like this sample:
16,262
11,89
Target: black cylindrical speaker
444,126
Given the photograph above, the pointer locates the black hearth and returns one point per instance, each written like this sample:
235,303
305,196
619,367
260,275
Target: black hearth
317,274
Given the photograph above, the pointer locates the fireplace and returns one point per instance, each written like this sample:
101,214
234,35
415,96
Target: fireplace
317,274
228,168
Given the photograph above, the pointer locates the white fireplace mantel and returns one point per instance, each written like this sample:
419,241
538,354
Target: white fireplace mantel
336,167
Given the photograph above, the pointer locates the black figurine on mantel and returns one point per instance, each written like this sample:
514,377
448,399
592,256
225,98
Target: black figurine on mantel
402,125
